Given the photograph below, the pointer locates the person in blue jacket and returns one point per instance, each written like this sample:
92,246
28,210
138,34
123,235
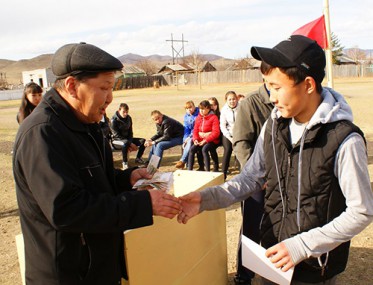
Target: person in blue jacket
191,113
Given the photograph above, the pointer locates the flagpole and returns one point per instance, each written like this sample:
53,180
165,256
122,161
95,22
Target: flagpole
328,50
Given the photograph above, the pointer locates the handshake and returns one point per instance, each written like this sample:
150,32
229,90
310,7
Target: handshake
166,205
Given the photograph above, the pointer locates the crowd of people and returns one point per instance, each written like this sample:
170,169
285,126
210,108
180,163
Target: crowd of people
304,182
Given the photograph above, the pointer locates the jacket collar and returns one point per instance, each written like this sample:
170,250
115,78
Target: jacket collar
62,109
264,95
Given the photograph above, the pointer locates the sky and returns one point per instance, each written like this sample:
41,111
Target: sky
226,28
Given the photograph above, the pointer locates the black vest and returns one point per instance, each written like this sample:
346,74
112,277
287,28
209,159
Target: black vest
321,199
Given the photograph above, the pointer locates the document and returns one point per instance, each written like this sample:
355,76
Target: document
153,164
253,258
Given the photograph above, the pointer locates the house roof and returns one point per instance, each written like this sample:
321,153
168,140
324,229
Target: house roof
174,68
346,60
132,69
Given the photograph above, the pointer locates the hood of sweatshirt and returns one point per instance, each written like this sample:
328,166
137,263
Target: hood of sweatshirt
333,108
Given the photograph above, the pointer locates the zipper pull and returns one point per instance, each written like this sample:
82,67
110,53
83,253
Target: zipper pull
82,238
323,270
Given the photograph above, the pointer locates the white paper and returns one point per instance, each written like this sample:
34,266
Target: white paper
253,258
153,164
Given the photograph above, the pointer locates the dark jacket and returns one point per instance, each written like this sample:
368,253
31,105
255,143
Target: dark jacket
122,127
321,199
252,112
167,130
73,205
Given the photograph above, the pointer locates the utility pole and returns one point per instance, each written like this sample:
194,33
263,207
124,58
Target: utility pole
176,52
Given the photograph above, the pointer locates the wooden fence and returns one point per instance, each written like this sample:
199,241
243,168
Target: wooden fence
228,76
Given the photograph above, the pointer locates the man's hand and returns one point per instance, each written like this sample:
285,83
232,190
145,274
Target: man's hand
148,143
133,147
190,206
164,205
139,173
279,255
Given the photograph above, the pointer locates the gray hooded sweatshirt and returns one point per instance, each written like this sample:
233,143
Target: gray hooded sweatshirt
351,168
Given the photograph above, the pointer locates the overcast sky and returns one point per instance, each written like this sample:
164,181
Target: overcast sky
226,28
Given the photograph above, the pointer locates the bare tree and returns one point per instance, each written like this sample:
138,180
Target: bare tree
148,66
357,54
195,58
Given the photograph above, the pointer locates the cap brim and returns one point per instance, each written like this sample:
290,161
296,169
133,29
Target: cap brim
271,56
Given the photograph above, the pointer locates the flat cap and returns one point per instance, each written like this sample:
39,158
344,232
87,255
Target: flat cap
76,58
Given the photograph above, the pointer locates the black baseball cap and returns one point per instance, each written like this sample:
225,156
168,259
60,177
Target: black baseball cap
72,59
297,51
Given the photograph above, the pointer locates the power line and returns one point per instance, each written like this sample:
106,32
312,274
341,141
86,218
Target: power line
175,52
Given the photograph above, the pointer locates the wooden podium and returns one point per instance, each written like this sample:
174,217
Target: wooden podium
170,253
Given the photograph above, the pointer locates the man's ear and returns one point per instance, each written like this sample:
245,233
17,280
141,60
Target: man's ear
71,86
310,84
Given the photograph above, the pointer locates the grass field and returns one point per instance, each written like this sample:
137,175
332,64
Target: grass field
170,101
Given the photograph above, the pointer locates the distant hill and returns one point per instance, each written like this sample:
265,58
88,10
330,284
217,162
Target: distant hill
131,58
13,69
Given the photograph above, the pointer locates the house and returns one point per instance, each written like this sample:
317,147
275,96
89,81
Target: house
244,64
175,68
132,71
345,60
205,66
43,77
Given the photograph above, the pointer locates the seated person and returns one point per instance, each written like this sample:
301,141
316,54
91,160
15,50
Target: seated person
227,119
206,135
121,125
189,118
169,134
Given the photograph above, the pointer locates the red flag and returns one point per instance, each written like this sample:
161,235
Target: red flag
315,30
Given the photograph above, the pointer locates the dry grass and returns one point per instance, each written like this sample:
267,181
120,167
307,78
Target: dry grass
170,101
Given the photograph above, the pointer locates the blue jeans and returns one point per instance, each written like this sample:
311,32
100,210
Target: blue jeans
184,156
158,148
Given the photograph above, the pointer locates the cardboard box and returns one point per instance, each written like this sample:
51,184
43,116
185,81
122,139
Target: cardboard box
170,253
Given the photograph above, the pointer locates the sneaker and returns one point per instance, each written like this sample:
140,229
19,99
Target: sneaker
125,165
180,165
140,161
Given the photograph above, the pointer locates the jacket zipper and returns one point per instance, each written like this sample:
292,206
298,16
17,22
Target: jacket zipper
101,156
285,195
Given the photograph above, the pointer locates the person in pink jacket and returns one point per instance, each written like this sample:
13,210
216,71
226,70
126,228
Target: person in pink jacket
206,135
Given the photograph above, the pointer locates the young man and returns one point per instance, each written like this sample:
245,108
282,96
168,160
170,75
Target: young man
169,134
121,124
312,162
73,205
252,112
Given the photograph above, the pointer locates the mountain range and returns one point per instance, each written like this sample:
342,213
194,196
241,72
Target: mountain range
13,69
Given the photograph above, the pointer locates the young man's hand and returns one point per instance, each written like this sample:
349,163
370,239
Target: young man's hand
191,204
279,255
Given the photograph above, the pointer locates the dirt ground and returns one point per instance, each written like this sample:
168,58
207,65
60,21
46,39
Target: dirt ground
361,252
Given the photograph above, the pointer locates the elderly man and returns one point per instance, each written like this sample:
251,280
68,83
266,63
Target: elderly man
74,206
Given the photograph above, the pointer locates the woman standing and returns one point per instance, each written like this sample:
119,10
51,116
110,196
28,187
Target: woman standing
227,119
31,98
